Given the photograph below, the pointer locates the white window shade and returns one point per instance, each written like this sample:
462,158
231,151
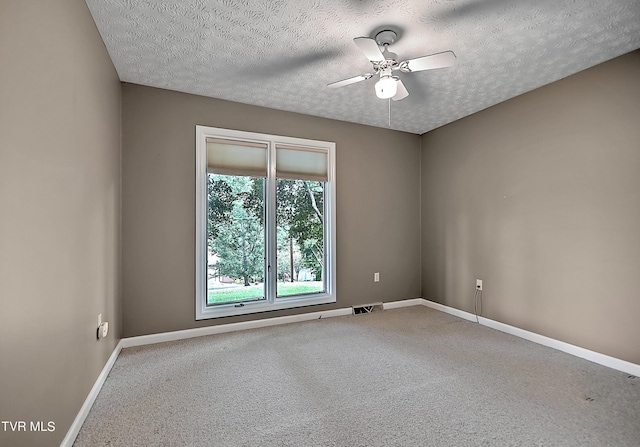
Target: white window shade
296,162
231,157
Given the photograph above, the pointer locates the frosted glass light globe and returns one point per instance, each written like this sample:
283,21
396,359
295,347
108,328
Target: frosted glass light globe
386,87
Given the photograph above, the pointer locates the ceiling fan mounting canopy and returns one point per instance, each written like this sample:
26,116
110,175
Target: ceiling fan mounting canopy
385,62
386,37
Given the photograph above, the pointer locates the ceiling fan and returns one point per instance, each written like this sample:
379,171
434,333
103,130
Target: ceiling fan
385,63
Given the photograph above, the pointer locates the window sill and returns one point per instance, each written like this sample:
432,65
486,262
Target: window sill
228,310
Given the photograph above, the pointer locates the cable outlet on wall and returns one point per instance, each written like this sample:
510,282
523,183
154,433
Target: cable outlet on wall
478,284
376,277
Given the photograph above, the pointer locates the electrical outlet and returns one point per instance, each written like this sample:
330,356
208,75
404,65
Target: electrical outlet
478,284
376,277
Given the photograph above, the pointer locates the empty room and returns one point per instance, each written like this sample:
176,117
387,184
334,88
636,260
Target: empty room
323,223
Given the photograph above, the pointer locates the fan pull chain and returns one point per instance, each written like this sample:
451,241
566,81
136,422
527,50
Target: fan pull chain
389,112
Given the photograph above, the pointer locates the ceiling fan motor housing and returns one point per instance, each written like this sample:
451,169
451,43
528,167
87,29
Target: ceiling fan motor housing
384,39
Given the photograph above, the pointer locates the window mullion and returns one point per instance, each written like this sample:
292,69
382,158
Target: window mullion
271,242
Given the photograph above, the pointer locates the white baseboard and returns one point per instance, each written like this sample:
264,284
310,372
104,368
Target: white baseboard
596,357
231,327
73,431
449,310
402,303
605,360
142,340
592,356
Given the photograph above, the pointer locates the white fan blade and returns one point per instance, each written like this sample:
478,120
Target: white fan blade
370,48
402,92
353,80
439,60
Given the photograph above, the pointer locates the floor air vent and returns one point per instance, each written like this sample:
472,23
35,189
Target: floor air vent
367,308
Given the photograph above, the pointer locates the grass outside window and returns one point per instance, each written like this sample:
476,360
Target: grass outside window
241,293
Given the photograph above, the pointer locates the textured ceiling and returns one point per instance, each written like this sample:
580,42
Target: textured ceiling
282,53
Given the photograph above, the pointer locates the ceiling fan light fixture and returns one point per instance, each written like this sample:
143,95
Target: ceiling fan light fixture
386,87
385,63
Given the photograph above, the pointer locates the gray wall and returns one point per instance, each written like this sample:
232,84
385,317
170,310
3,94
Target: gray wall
540,197
59,212
537,196
378,205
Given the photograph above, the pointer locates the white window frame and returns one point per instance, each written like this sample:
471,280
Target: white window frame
272,302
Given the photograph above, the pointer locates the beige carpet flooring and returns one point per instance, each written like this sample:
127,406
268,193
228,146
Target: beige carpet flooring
404,377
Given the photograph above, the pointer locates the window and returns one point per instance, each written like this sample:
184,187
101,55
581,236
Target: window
265,222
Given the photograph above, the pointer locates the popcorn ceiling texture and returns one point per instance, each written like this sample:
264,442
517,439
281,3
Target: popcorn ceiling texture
282,53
